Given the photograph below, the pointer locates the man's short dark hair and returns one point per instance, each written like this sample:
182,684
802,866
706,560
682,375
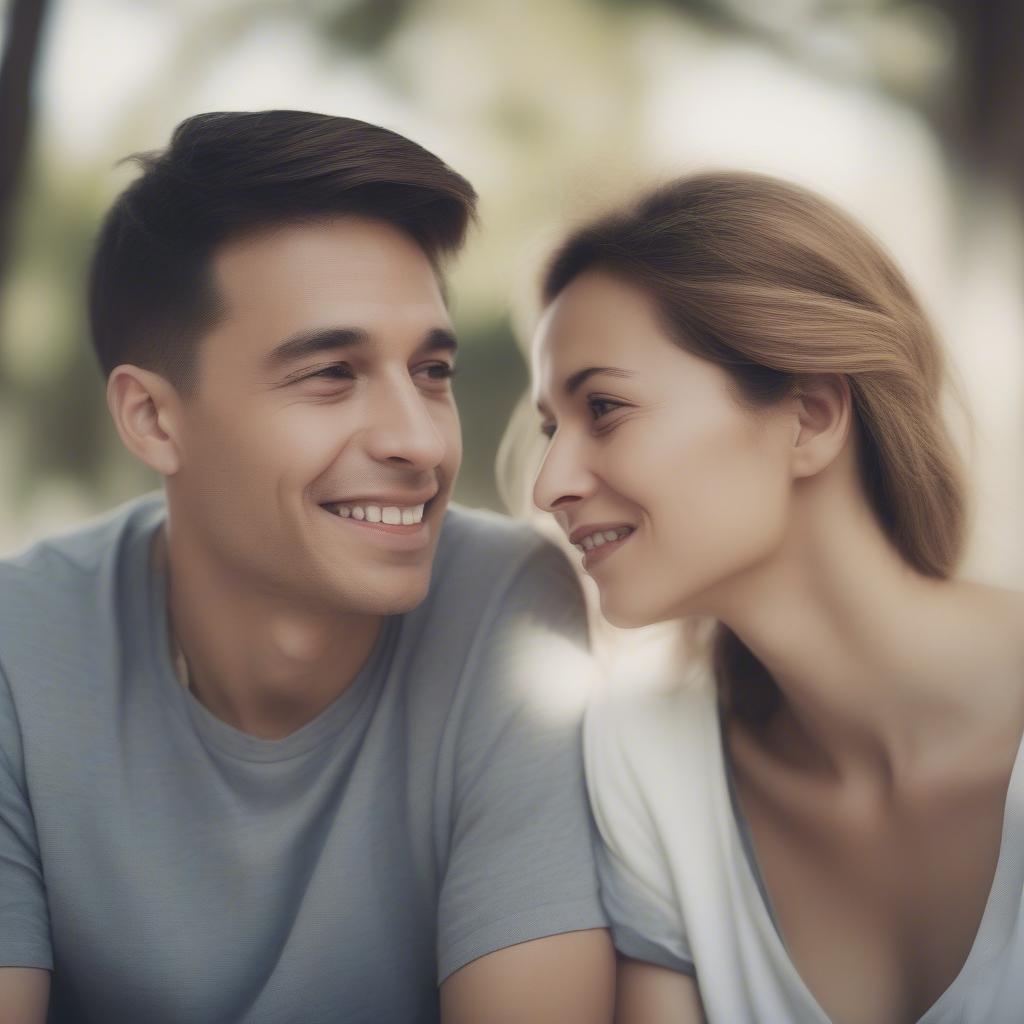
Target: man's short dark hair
224,175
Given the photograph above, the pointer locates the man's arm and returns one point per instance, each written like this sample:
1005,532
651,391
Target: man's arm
24,919
562,979
24,995
647,994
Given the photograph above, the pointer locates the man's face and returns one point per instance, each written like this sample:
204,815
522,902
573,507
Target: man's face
320,450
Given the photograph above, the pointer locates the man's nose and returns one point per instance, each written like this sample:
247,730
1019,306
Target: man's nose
404,427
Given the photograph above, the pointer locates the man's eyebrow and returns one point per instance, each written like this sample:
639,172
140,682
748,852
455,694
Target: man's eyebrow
331,339
309,343
576,380
440,339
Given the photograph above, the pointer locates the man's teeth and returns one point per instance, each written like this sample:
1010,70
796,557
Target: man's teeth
390,515
600,537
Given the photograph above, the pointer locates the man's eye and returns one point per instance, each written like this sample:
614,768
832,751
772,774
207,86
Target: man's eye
438,371
336,371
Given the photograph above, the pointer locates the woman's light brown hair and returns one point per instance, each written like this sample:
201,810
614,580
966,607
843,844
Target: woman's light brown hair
774,284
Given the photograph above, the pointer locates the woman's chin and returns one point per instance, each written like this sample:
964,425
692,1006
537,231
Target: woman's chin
636,610
626,614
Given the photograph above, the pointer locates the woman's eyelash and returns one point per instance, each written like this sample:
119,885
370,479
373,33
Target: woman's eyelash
597,406
600,407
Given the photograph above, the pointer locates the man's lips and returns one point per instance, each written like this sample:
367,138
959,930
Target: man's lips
393,522
382,500
392,510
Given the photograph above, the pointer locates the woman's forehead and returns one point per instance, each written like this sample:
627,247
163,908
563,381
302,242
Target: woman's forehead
599,302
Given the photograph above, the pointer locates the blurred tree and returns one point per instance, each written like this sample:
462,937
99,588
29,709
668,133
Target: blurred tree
986,117
23,31
491,377
530,92
973,101
366,25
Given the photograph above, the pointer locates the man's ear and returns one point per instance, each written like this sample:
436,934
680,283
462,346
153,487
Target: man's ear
146,410
824,416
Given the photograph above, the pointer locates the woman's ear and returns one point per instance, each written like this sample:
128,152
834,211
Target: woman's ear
146,411
824,408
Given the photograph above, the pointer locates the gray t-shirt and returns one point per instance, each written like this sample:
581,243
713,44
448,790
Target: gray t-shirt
170,868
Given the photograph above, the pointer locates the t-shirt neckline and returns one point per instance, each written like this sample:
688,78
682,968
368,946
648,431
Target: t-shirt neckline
1002,905
151,581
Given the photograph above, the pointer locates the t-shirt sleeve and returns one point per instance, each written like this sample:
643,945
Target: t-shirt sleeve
24,919
636,884
521,856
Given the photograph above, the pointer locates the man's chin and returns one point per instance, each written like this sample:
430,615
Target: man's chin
399,606
378,600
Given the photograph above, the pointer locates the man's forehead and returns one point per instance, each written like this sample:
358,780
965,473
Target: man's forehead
296,280
348,256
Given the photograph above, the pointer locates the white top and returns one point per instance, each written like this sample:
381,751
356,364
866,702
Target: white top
682,888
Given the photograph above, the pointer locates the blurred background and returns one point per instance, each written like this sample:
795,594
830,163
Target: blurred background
909,114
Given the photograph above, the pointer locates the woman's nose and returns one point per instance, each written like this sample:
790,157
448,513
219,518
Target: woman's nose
563,477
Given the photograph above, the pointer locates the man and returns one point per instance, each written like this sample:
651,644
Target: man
257,762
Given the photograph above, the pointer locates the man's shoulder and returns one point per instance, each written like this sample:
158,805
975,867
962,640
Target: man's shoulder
69,570
494,576
484,530
84,546
482,551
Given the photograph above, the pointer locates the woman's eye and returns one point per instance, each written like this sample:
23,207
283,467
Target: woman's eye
600,407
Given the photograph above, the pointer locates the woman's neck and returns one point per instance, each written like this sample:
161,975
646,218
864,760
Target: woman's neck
878,666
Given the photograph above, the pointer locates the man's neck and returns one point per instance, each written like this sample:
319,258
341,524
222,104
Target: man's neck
256,662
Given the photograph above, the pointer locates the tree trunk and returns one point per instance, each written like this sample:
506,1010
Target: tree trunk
24,28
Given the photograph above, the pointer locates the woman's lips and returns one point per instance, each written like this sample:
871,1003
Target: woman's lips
597,542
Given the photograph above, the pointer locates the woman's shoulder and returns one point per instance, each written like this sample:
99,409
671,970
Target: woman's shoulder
1006,601
993,617
1005,610
1005,605
977,636
654,705
654,773
643,731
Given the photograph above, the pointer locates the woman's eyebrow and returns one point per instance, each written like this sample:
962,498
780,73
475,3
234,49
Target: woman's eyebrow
576,380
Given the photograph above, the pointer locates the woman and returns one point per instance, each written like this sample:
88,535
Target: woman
742,400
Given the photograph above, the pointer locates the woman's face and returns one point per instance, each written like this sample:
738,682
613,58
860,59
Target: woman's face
673,491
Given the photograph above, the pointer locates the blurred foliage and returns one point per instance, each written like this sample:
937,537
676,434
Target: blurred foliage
366,25
47,369
491,377
542,95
